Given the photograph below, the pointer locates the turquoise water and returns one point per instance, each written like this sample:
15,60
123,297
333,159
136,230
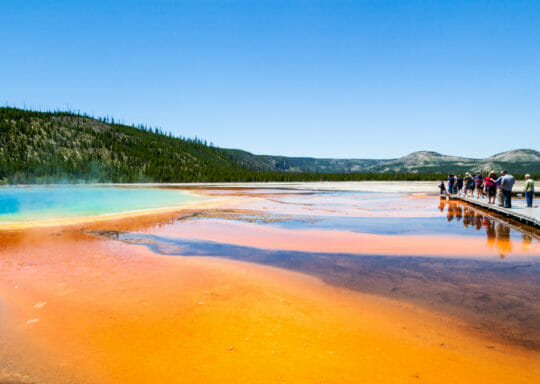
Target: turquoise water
44,203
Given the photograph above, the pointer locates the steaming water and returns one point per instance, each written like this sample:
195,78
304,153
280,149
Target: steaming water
45,203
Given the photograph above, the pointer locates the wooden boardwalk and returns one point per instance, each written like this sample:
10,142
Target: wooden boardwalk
519,211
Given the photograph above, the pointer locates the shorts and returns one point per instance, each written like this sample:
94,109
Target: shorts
492,191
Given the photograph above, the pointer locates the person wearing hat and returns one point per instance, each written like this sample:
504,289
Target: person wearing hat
528,190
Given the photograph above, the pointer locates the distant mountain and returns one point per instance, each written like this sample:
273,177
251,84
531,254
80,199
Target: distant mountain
518,161
267,163
42,147
516,156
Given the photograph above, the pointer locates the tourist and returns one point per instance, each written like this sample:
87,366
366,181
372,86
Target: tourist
442,188
479,185
507,183
529,190
472,186
500,198
459,184
491,187
467,182
451,181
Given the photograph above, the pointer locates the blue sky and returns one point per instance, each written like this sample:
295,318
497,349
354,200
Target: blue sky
354,79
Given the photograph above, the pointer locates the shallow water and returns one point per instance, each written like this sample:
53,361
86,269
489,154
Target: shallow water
461,261
46,203
276,286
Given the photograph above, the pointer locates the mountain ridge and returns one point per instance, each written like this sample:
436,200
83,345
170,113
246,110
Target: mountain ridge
522,160
43,147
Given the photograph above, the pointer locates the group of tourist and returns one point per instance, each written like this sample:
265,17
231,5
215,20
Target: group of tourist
496,189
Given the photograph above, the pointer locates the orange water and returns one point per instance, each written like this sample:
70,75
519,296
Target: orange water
86,309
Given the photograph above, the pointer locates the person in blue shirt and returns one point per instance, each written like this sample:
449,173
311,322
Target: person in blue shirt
442,188
459,184
528,190
507,183
451,181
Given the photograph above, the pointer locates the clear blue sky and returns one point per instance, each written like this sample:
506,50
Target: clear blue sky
364,79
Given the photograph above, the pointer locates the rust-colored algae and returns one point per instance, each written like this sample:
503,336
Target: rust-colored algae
247,234
79,308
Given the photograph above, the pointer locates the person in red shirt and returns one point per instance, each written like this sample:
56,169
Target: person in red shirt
491,187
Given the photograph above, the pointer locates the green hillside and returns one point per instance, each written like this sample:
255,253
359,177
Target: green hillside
50,147
41,147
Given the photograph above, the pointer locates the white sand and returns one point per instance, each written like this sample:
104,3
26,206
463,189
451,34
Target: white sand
359,186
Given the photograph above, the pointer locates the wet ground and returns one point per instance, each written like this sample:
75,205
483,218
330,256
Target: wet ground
441,280
499,296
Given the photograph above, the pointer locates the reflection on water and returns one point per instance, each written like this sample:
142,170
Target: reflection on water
108,262
495,298
498,297
498,232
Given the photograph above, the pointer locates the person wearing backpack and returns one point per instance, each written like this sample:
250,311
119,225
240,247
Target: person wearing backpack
491,187
459,184
472,186
479,184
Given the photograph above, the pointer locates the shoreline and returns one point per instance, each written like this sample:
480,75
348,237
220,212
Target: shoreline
382,186
212,201
208,204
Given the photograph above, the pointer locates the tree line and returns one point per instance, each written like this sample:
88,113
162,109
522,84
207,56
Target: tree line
54,146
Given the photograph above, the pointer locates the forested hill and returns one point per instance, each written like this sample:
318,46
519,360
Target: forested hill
52,147
49,147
